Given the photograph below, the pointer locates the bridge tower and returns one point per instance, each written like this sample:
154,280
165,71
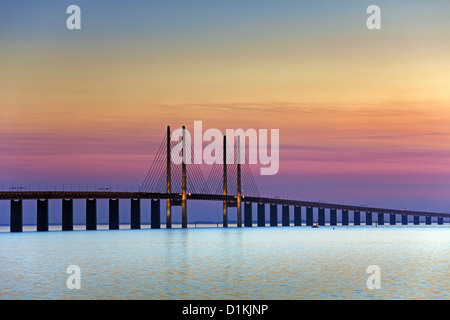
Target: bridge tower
225,207
239,194
183,182
178,182
168,180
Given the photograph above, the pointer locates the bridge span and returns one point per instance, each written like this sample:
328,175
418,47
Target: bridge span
230,182
175,199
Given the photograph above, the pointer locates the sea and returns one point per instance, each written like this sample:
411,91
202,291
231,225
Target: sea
275,263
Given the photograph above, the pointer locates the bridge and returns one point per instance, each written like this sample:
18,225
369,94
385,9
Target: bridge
229,182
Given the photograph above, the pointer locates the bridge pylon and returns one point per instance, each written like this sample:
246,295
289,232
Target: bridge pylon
183,182
239,189
225,206
168,181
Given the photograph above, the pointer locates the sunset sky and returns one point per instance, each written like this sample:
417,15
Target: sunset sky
364,115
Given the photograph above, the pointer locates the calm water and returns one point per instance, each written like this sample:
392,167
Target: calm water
216,263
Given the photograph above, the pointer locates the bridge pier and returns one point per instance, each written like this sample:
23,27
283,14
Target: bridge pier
225,214
321,216
345,217
392,220
248,214
261,215
91,214
184,214
169,213
238,213
440,220
356,218
135,219
309,216
380,220
67,214
273,215
404,219
333,217
297,216
285,216
428,220
416,220
155,215
16,224
368,218
42,215
113,214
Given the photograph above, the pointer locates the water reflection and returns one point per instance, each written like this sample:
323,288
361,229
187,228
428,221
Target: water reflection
216,263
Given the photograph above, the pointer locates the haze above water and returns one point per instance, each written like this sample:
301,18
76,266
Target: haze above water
217,263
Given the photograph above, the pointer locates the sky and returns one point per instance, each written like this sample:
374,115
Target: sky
364,115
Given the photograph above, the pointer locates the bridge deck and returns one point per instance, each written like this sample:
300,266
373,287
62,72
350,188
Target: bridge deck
30,195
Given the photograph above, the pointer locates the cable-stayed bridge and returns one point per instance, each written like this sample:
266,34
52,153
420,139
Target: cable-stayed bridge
230,181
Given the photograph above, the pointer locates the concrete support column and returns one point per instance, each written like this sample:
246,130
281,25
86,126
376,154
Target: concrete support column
91,214
321,216
380,218
238,212
168,214
225,214
248,214
184,213
333,217
67,214
297,216
285,216
42,215
309,216
404,219
135,218
273,215
392,220
356,218
16,224
368,218
113,214
155,214
345,217
440,220
416,220
261,215
428,220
